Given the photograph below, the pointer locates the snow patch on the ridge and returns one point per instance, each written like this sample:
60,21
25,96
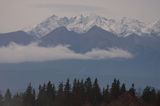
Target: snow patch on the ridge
82,23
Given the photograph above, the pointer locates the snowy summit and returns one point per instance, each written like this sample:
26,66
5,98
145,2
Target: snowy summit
82,23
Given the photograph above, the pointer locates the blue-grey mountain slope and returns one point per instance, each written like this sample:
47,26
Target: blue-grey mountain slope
19,37
99,38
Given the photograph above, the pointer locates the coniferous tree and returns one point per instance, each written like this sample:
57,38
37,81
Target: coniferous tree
123,89
118,88
82,92
17,100
8,98
50,90
88,89
75,88
1,99
29,96
153,95
67,93
60,90
76,93
149,95
106,95
96,93
158,98
41,99
115,89
67,88
59,99
133,90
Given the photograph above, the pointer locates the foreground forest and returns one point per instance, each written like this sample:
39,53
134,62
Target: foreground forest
82,93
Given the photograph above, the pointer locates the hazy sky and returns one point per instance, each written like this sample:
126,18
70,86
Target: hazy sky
19,14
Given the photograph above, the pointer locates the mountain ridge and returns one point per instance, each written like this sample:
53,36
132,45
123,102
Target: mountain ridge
81,24
19,37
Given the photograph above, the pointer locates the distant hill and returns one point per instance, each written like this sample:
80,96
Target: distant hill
19,37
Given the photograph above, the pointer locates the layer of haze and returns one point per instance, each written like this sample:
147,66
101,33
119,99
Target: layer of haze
19,14
33,53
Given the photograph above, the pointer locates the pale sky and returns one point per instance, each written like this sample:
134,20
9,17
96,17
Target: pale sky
20,14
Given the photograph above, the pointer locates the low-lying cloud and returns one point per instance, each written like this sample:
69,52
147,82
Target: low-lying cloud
33,53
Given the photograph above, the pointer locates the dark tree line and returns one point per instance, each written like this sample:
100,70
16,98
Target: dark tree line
80,93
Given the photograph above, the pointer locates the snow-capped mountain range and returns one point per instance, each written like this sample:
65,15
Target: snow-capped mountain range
83,23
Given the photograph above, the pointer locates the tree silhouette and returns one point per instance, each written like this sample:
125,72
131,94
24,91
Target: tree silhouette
158,99
106,95
8,98
96,93
115,89
41,99
67,93
59,99
133,90
29,96
50,90
149,94
1,99
88,89
81,93
17,100
123,89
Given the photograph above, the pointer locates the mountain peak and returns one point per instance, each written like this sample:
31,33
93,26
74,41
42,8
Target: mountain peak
156,26
83,23
53,17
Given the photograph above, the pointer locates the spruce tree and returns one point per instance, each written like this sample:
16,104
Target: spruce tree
29,96
132,90
76,93
67,93
88,89
8,98
1,99
50,90
115,89
123,89
158,99
96,93
106,95
149,95
82,91
60,91
60,100
67,88
17,100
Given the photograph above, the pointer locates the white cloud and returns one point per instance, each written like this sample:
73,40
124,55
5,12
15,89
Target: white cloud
111,53
33,53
